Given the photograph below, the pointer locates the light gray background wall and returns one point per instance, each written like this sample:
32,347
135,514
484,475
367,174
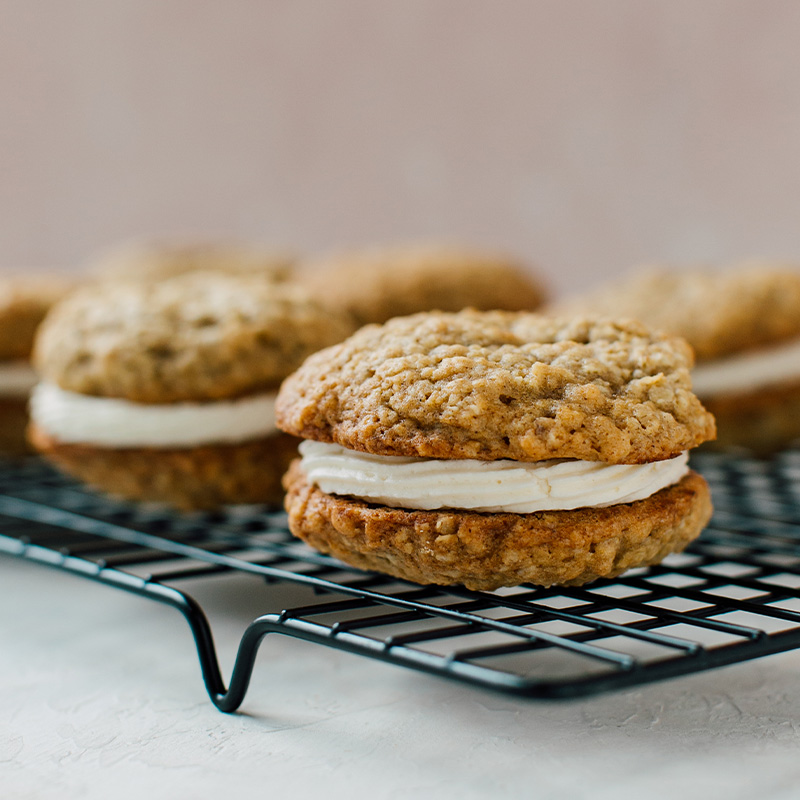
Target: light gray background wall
587,136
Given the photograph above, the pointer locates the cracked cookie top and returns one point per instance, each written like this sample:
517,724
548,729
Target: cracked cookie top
490,385
196,337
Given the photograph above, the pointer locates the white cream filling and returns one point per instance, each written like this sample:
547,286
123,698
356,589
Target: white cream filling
494,486
17,378
111,422
747,371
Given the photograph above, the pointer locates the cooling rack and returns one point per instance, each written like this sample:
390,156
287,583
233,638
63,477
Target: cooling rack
734,595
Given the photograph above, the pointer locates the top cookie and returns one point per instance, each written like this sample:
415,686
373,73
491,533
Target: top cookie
196,337
717,312
150,261
491,385
24,301
375,285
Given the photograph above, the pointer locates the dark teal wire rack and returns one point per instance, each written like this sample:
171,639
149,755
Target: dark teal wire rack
734,595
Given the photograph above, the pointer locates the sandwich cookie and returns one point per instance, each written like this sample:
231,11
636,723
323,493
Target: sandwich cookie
744,326
376,284
491,449
24,302
166,391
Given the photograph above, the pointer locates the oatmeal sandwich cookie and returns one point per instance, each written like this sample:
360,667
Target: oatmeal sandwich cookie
494,448
166,391
744,326
376,284
24,302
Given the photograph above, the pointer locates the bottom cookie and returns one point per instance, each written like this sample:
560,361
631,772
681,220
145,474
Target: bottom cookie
487,551
193,478
13,422
762,421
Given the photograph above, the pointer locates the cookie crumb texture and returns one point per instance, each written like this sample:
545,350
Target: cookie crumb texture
189,479
487,551
197,337
375,285
718,312
492,385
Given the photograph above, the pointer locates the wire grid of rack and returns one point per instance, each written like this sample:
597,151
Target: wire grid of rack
733,595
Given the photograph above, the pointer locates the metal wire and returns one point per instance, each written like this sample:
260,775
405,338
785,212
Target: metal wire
734,595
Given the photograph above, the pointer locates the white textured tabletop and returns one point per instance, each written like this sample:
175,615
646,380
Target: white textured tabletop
102,697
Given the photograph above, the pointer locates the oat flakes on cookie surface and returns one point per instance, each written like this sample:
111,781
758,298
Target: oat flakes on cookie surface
376,284
166,391
491,385
431,432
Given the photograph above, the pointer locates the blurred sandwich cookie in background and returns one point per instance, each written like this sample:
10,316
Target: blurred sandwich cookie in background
24,302
165,391
744,325
375,284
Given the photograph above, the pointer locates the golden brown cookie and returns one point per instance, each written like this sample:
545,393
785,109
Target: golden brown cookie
487,551
744,325
377,284
196,337
718,311
154,260
419,392
165,391
13,422
491,385
24,302
203,477
761,421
